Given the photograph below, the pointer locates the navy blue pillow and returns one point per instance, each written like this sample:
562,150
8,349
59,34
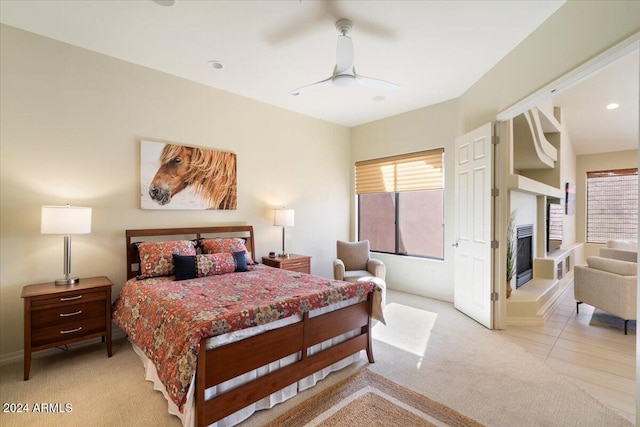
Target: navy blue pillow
184,266
241,261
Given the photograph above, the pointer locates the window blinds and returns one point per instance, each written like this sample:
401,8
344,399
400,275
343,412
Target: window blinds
407,172
612,205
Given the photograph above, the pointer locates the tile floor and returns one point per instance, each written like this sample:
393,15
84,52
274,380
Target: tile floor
597,356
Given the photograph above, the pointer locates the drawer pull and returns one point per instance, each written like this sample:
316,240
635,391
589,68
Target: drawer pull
75,313
70,331
71,298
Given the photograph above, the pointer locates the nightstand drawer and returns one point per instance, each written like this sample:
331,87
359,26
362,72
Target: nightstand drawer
66,331
292,262
68,298
301,266
67,313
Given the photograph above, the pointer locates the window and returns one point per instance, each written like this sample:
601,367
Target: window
612,205
401,204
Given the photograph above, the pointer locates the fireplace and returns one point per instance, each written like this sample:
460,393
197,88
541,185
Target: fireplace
524,254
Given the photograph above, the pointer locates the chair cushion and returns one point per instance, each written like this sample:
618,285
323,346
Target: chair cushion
356,275
623,268
354,254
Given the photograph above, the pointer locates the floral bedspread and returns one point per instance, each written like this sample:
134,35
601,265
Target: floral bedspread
167,319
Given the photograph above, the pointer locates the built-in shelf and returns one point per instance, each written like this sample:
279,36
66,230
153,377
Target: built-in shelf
531,304
536,159
547,267
528,185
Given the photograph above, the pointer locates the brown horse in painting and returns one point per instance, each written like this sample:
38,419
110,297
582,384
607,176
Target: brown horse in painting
211,173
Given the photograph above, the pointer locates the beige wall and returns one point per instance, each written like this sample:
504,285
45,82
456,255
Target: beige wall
573,35
71,121
435,126
591,163
568,174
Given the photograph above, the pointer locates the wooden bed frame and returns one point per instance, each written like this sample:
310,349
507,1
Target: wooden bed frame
253,352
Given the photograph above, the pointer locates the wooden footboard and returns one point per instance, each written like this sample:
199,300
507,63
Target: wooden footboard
223,363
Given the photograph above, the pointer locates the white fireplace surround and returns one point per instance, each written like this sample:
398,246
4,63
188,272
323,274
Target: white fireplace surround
552,273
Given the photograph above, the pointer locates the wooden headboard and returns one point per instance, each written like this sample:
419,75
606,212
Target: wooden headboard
189,233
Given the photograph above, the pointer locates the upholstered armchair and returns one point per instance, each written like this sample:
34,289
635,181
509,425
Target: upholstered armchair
624,250
608,284
354,262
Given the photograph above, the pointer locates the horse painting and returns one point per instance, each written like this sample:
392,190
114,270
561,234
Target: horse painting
210,173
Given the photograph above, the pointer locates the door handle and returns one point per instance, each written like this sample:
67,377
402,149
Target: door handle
455,245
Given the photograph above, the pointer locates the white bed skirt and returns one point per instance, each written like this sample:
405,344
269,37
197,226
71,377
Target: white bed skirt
188,415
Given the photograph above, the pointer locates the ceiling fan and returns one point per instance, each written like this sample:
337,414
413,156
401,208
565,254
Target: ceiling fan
344,73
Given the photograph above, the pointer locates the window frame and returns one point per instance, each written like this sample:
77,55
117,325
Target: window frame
397,160
612,173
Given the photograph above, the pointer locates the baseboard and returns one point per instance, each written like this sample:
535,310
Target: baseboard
116,333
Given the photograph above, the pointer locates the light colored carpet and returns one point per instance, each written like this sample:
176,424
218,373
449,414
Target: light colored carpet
427,346
102,391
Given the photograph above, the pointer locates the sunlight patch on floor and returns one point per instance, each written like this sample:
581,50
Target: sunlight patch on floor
407,328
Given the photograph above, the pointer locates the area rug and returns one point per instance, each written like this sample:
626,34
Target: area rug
368,399
608,320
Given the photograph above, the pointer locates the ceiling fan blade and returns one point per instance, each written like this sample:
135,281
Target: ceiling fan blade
376,83
301,89
344,54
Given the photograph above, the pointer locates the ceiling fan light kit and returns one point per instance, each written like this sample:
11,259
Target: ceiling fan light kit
344,80
344,72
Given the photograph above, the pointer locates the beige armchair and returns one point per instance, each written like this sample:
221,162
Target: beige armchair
624,250
354,262
608,284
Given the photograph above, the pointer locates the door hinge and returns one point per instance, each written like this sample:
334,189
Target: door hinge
495,244
495,140
494,296
495,192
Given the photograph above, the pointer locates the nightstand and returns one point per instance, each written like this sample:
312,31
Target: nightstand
58,315
294,262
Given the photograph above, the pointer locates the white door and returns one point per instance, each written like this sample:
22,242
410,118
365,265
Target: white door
473,212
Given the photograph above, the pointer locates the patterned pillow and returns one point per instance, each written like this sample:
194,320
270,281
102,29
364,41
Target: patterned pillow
156,258
214,264
225,245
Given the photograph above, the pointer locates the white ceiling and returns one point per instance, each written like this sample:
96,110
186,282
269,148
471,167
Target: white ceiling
434,49
592,127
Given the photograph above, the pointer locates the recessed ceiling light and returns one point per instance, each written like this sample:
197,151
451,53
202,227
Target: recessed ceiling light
612,106
216,65
378,98
166,3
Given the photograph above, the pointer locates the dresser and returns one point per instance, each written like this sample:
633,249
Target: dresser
293,262
58,315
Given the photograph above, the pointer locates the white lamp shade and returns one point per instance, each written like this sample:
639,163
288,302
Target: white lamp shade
283,217
65,220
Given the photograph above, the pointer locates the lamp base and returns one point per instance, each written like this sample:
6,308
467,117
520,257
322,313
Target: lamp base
284,255
66,282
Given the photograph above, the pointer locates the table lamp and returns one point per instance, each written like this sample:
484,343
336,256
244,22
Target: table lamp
66,220
283,218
